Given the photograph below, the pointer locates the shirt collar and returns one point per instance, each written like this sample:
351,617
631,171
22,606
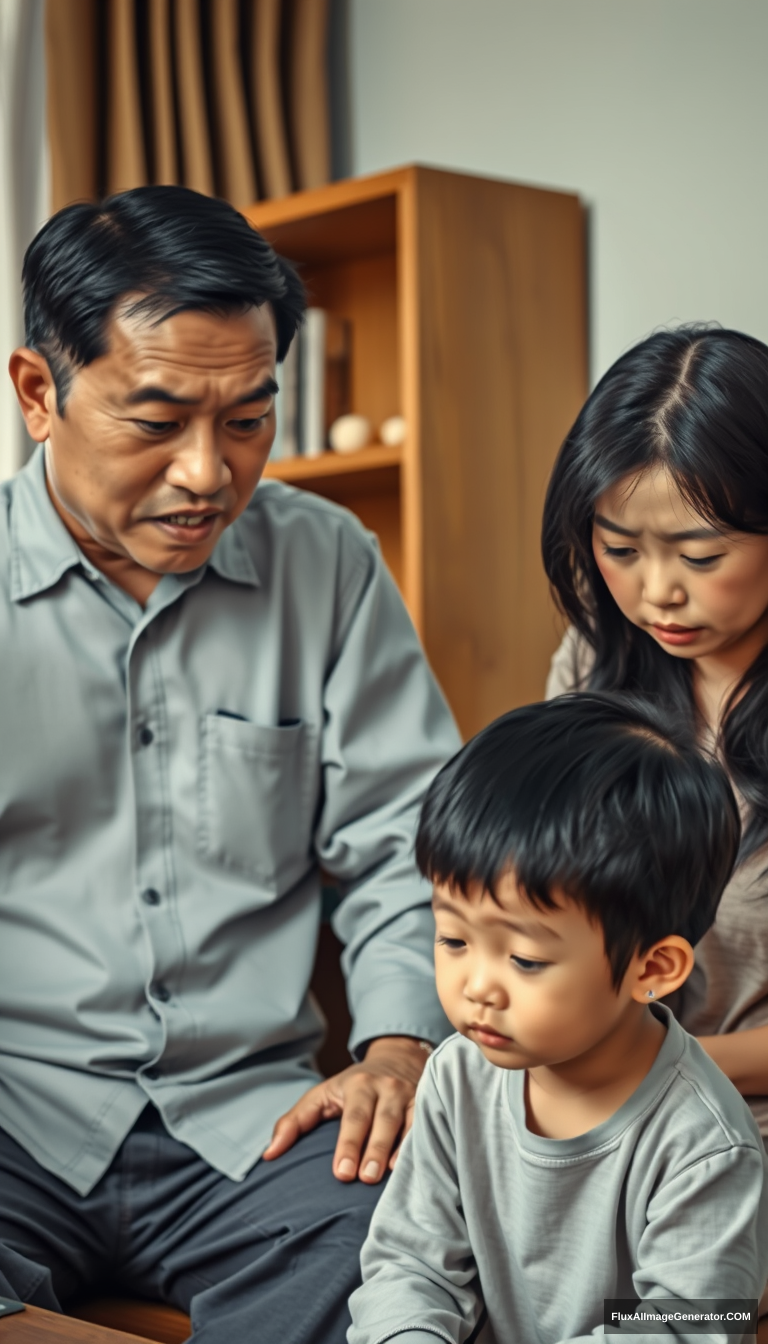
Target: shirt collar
42,549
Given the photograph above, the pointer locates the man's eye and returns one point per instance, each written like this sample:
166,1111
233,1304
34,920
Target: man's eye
619,552
157,426
701,561
453,944
248,426
524,964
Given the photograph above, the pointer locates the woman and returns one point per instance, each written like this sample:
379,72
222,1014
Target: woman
655,540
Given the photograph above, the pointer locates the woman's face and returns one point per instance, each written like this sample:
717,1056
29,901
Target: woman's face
696,591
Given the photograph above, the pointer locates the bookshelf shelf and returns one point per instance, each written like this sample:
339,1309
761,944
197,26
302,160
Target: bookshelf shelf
304,470
465,299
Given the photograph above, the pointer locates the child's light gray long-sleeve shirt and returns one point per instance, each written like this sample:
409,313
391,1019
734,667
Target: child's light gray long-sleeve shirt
667,1198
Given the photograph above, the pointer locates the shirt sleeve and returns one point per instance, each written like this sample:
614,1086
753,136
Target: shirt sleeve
420,1279
706,1235
387,732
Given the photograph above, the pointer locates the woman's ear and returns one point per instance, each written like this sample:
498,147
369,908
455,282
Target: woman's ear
32,378
662,969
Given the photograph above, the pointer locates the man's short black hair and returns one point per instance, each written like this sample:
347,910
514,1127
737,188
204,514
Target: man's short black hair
174,248
600,795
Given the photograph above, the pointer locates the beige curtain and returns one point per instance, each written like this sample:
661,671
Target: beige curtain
229,97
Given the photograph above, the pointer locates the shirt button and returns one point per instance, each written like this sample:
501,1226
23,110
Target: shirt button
146,736
160,991
150,896
153,1074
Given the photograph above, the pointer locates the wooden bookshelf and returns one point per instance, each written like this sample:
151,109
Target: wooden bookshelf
467,303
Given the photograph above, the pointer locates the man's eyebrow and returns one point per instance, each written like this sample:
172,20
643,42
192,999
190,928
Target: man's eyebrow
141,395
689,534
523,926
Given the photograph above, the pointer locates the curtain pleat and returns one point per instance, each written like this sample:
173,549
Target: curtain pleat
310,134
71,59
126,160
197,161
267,94
234,154
226,96
163,117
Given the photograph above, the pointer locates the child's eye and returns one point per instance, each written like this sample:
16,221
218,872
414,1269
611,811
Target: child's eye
453,944
619,552
701,562
524,964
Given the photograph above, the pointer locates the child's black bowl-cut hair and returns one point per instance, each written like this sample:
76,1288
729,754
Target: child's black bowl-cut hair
600,795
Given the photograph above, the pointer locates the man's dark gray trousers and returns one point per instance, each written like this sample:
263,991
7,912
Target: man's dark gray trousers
274,1257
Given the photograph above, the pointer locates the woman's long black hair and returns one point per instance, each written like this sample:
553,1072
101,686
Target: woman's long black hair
696,401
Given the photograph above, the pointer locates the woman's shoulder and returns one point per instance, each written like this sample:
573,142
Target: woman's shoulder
571,665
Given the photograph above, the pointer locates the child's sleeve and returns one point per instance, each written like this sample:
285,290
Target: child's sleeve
706,1234
419,1276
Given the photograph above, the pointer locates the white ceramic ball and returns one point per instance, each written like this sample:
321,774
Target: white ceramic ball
393,431
349,433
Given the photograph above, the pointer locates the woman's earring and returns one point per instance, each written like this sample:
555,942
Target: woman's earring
649,994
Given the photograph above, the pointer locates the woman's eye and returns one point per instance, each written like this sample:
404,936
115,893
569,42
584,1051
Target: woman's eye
619,552
701,562
453,944
524,964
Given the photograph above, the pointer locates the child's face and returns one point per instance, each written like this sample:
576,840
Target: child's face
530,987
695,591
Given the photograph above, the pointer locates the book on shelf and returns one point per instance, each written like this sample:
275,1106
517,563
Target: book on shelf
314,385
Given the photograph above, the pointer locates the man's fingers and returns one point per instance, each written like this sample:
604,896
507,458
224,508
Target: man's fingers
304,1116
387,1124
359,1106
373,1116
406,1126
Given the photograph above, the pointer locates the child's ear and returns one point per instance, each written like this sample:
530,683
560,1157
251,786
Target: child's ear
662,969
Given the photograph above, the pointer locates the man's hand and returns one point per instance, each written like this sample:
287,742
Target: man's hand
375,1101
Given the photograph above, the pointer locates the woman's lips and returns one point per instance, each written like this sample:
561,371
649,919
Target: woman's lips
678,634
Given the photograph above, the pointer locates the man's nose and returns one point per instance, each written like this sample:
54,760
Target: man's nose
198,466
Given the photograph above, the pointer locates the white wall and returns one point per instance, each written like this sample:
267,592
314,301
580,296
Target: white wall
655,111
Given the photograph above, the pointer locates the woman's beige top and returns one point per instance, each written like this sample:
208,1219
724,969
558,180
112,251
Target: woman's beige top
728,990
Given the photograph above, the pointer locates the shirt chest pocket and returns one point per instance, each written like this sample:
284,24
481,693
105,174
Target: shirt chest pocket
258,787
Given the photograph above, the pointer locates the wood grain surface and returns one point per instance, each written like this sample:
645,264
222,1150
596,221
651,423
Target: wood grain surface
34,1326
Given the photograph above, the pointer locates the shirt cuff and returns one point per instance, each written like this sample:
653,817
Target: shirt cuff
398,1010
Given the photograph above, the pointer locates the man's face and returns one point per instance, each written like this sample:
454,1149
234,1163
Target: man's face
164,438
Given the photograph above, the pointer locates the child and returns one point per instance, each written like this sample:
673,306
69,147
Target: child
572,1143
655,539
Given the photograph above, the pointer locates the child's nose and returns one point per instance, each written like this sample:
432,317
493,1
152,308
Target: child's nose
483,986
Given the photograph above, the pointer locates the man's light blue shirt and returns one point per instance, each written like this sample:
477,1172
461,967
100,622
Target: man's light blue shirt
172,778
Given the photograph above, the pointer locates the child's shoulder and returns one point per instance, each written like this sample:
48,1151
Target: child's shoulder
705,1102
693,1116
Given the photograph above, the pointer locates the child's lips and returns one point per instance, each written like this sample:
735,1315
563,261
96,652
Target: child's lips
486,1035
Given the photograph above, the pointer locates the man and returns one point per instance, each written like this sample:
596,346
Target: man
204,697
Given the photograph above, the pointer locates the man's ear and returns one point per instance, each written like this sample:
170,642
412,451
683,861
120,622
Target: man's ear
662,969
35,390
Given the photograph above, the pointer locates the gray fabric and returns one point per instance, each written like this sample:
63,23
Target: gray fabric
669,1197
159,858
273,1257
728,989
